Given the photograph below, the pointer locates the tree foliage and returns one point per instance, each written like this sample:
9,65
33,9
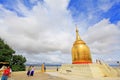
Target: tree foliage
17,63
7,55
6,52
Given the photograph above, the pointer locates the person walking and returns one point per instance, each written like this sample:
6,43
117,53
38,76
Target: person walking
6,73
32,71
29,70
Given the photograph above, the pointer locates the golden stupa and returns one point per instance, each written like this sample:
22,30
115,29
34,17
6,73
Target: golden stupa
80,51
80,66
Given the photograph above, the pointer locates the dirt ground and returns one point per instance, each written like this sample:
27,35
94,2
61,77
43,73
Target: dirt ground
37,76
52,76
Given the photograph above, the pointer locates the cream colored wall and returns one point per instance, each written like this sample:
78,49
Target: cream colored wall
90,70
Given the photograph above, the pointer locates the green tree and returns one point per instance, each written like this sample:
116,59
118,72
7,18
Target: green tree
6,55
6,52
18,63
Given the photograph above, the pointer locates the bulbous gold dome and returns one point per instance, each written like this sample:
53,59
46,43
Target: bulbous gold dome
80,51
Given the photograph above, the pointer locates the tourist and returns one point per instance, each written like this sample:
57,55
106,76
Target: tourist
45,68
32,71
6,73
10,71
28,72
57,68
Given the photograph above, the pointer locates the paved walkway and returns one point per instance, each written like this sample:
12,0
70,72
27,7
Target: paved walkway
73,77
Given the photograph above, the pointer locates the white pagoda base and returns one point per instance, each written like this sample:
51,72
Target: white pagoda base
89,70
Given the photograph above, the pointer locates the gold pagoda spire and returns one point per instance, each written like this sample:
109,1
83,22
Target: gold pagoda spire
77,34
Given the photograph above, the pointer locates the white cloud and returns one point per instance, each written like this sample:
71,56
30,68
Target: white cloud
48,30
105,5
103,37
50,58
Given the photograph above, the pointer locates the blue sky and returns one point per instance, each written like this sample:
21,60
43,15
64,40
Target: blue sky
77,7
44,30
